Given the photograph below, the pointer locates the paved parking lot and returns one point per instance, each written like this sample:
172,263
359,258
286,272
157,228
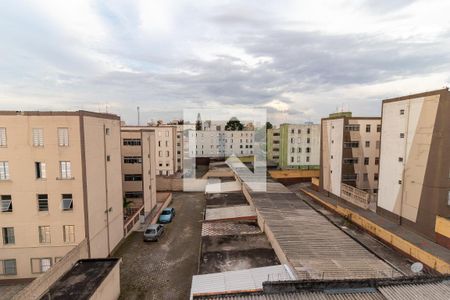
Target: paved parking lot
164,269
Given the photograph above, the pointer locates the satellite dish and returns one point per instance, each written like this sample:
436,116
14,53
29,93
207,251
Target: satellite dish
417,267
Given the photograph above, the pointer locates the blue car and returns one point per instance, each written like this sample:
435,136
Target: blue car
166,215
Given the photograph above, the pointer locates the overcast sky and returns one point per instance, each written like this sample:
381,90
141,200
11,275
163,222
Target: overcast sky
300,59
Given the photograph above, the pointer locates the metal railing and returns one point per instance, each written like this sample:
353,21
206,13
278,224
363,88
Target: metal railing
131,220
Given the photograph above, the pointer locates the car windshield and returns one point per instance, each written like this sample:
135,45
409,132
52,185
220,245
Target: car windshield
166,212
150,231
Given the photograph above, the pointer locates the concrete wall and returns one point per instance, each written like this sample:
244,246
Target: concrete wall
331,155
164,184
109,289
103,185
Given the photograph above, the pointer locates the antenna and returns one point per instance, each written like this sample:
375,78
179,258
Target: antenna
139,116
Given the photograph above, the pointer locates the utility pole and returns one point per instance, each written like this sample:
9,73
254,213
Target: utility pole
139,116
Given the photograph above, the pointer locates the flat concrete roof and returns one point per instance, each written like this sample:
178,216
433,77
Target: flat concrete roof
230,228
82,280
230,213
225,199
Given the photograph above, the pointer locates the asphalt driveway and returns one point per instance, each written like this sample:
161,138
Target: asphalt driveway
164,269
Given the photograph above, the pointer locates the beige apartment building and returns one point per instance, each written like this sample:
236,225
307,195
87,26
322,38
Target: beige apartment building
139,167
166,149
350,151
60,183
414,188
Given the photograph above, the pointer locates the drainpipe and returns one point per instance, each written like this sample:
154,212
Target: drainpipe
404,165
107,210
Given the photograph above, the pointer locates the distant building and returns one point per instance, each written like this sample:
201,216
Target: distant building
139,167
294,146
222,143
60,183
350,153
414,187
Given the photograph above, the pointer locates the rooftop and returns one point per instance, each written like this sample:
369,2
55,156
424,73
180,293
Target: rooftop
82,280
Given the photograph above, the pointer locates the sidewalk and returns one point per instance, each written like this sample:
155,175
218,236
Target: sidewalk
430,253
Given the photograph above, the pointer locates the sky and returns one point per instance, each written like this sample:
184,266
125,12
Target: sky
301,60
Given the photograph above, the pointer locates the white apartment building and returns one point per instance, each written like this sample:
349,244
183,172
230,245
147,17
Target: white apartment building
221,143
60,184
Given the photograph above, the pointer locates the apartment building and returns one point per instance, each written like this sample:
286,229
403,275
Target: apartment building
222,143
414,187
350,153
273,145
299,146
60,183
182,131
166,149
139,167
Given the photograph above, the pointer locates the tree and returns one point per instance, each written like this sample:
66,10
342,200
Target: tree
234,124
269,125
198,124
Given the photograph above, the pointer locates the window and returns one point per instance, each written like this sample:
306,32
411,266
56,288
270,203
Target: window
107,131
167,153
42,202
367,144
308,140
402,135
38,137
40,265
133,177
367,127
131,142
8,235
63,137
2,137
292,159
349,161
375,176
6,203
402,111
352,127
299,131
292,131
292,140
308,150
365,177
292,150
354,144
40,170
307,159
69,234
308,131
298,159
137,194
299,150
366,161
4,170
379,128
65,170
377,161
133,159
67,202
44,234
349,177
400,159
8,267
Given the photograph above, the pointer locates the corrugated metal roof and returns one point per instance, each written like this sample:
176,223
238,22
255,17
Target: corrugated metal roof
302,296
242,280
315,247
230,212
429,291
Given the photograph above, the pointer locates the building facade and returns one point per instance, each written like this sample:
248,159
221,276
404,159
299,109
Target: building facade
414,188
350,153
220,144
60,183
299,146
139,167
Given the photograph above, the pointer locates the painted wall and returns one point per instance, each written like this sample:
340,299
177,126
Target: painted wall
331,162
